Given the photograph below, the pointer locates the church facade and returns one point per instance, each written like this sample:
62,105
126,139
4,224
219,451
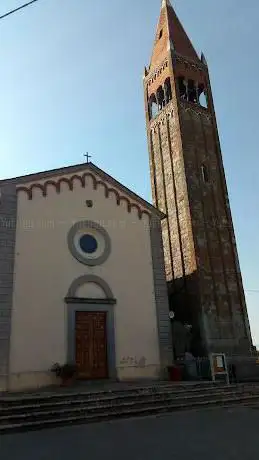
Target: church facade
89,271
82,280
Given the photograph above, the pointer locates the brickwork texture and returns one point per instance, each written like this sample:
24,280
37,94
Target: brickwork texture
201,261
8,210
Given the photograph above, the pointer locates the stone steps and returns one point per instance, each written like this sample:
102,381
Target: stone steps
61,394
19,404
98,406
114,406
113,400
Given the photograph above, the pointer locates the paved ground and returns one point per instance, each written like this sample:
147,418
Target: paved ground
211,434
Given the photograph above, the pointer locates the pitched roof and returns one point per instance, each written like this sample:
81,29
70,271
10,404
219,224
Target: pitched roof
170,33
178,36
23,180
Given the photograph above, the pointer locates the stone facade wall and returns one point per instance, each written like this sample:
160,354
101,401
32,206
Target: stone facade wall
169,185
161,295
8,210
199,243
222,296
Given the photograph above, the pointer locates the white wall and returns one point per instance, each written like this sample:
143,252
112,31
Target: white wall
44,270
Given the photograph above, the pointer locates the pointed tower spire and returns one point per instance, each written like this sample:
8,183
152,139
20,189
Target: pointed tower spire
171,35
204,60
165,3
180,39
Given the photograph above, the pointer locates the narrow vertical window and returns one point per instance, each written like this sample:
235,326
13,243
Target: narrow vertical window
152,106
205,174
191,91
160,96
168,90
182,88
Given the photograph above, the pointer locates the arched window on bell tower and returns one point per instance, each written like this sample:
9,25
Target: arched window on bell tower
192,92
182,85
168,90
152,106
205,174
202,96
160,97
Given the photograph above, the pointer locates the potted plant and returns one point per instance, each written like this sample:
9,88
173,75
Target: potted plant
65,372
174,373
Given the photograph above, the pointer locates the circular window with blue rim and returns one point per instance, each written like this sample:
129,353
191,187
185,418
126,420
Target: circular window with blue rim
88,244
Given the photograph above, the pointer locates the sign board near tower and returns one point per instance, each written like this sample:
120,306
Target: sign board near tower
219,367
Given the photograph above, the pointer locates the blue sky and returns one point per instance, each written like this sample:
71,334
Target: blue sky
71,82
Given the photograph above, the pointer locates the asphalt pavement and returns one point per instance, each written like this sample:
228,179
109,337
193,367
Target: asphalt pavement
216,434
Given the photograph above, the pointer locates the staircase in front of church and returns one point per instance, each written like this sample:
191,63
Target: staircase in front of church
86,405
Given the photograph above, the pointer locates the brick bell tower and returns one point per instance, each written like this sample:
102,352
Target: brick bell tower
189,186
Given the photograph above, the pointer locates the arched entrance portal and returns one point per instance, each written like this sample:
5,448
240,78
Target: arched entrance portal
90,322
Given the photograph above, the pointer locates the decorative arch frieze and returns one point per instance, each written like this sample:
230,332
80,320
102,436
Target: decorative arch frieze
39,187
108,191
138,210
157,71
52,183
161,119
105,187
26,190
124,198
65,180
94,180
80,179
117,196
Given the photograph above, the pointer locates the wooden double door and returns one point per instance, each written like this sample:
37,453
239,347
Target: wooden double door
91,345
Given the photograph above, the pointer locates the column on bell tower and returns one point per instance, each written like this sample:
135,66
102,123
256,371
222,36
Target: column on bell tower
188,185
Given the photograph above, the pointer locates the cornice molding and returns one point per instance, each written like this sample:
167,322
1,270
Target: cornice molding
161,118
189,62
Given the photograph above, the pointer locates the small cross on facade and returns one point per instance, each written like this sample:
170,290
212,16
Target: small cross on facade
87,157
